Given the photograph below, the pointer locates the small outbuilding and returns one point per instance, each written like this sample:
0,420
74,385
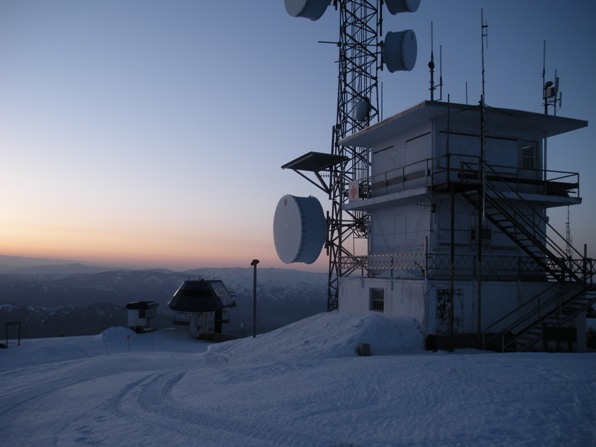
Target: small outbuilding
142,316
204,303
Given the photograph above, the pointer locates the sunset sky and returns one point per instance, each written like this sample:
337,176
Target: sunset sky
150,133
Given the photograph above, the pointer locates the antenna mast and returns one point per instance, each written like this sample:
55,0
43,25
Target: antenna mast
431,66
484,38
481,187
544,78
551,96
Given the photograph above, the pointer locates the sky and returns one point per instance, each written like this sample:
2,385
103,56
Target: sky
150,133
301,385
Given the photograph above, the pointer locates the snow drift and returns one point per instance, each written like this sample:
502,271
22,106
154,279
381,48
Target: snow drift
326,336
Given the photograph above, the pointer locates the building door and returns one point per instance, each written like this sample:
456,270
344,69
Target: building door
442,309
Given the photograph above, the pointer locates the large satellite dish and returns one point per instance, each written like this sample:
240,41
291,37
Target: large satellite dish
310,9
400,51
299,229
397,6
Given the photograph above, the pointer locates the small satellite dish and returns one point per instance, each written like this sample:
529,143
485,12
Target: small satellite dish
310,9
400,50
361,110
397,6
299,229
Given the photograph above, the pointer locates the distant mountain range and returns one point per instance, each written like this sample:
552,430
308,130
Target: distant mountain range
54,299
26,265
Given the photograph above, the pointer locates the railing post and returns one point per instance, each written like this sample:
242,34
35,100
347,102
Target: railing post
391,272
403,177
362,278
426,257
584,270
578,192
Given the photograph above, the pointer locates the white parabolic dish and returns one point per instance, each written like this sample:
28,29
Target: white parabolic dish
310,9
299,229
397,6
400,50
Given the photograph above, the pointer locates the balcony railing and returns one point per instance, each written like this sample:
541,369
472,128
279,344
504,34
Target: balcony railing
439,171
438,266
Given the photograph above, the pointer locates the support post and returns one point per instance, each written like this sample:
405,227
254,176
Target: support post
254,298
452,268
18,325
481,210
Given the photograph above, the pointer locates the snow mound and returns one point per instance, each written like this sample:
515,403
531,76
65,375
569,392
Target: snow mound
116,333
326,335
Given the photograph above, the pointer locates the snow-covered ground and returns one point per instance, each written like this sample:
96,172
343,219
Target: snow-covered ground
302,385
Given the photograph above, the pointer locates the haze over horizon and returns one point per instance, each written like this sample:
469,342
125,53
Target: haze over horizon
148,133
23,265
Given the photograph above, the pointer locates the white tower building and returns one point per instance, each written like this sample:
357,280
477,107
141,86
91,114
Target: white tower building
458,234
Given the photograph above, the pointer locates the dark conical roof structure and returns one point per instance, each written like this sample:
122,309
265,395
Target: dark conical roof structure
199,296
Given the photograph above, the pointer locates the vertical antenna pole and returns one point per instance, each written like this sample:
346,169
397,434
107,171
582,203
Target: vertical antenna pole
452,232
545,157
568,234
381,101
440,72
484,36
544,78
481,186
557,95
431,64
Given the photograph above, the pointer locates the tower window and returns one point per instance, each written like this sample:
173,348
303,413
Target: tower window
528,153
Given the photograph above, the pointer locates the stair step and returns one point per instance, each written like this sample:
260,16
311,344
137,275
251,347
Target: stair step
529,337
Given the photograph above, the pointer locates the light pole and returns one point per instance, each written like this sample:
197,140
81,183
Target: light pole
254,298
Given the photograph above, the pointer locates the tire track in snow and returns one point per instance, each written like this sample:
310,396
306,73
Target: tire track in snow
88,427
15,399
27,414
152,401
48,398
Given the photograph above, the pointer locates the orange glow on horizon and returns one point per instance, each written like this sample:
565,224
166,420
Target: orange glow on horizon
125,250
169,261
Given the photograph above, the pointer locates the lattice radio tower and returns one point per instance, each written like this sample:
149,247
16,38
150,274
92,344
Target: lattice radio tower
362,54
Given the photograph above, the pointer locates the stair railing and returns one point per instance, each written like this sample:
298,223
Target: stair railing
559,257
535,311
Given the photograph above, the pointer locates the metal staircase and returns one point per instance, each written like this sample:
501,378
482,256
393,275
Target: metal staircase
550,312
572,292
